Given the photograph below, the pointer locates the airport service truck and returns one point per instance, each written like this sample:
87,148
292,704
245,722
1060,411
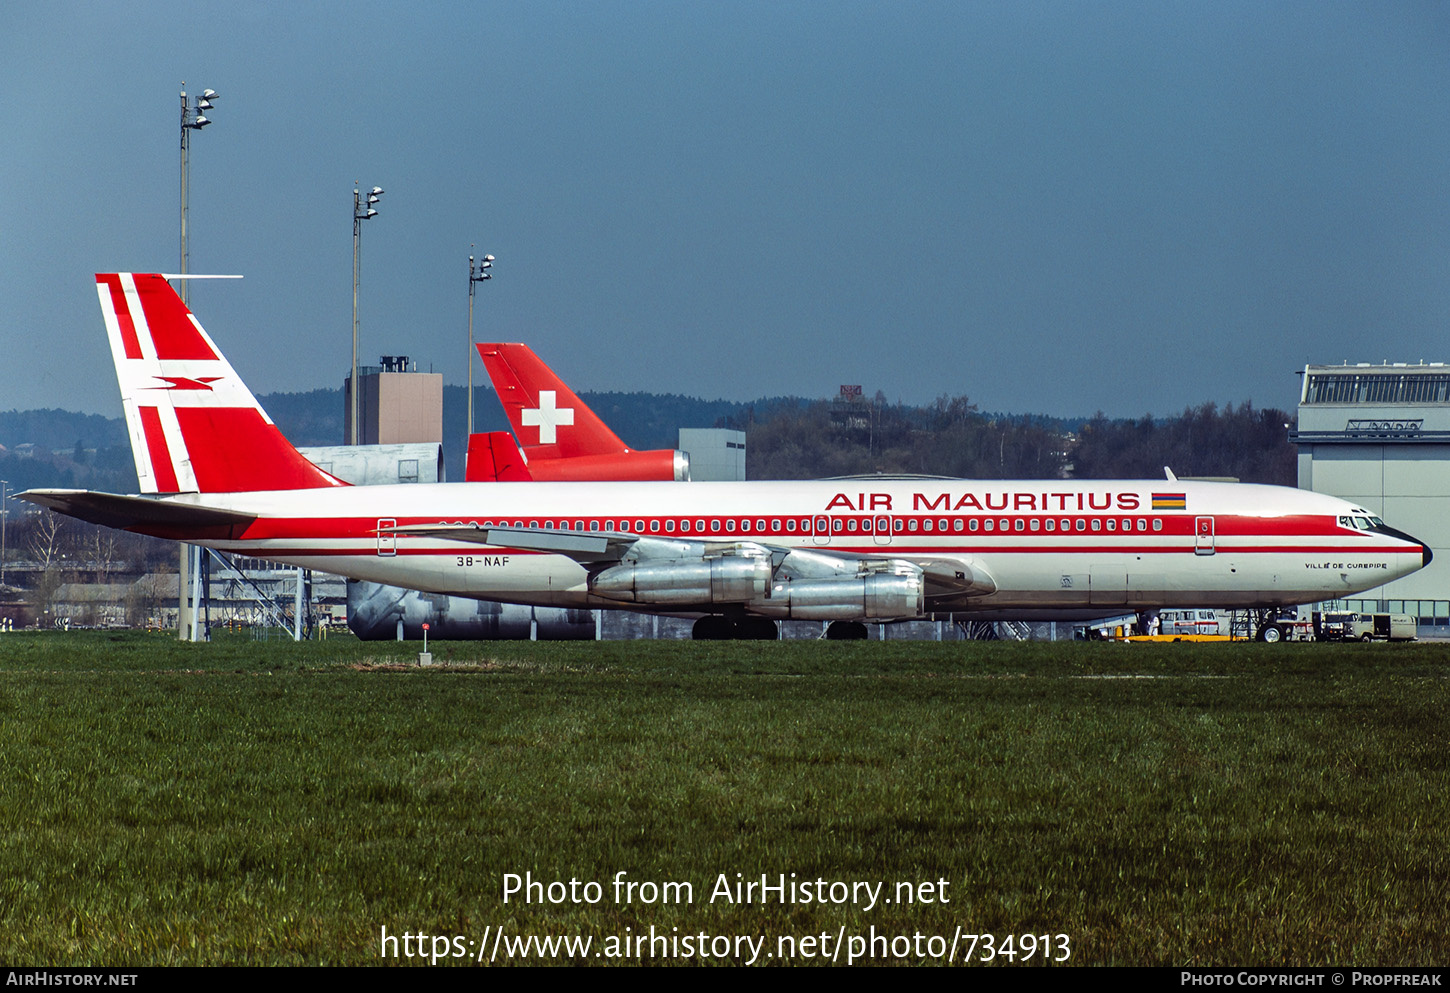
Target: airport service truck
1346,626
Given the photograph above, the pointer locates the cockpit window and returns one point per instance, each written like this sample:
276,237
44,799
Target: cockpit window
1346,521
1362,523
1377,522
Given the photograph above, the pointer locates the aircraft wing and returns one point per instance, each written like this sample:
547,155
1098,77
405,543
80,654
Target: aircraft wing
949,577
583,546
153,514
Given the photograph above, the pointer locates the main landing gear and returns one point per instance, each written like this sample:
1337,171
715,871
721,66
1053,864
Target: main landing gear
718,628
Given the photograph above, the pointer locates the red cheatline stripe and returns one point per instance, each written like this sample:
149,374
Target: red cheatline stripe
1228,528
156,446
281,551
463,548
129,342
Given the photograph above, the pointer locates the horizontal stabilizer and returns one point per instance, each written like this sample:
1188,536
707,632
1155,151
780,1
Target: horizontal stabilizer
148,515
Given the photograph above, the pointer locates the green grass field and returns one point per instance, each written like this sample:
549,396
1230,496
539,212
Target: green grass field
267,802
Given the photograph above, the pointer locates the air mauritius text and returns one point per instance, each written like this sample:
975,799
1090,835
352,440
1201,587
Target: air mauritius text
736,889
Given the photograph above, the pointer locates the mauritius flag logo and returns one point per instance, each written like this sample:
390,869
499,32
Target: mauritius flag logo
1170,501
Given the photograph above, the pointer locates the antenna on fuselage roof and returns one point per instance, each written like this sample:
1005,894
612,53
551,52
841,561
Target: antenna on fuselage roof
1169,473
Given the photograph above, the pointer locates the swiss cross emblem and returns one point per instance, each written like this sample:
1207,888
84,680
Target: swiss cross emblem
547,417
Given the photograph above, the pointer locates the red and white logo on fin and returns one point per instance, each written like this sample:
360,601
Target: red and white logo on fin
548,419
194,425
560,438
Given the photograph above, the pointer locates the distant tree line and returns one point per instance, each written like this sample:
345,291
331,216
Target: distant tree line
1243,442
952,438
789,438
948,438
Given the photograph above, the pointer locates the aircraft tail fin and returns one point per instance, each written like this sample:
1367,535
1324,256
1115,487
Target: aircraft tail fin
548,419
495,458
194,425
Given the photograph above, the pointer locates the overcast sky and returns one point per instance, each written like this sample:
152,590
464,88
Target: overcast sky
1049,207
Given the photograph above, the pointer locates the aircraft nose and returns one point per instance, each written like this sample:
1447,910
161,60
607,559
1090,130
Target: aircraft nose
1425,554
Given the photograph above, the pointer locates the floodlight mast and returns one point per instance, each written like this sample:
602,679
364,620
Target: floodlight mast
476,274
362,210
193,118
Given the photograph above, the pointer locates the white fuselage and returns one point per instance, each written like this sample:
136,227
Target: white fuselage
1048,546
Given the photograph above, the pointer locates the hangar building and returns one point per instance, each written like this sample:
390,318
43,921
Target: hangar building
1379,435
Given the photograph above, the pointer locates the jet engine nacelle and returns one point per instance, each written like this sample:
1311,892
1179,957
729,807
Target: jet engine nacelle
728,579
880,597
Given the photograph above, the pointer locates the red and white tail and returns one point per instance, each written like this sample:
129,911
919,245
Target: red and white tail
194,425
548,419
